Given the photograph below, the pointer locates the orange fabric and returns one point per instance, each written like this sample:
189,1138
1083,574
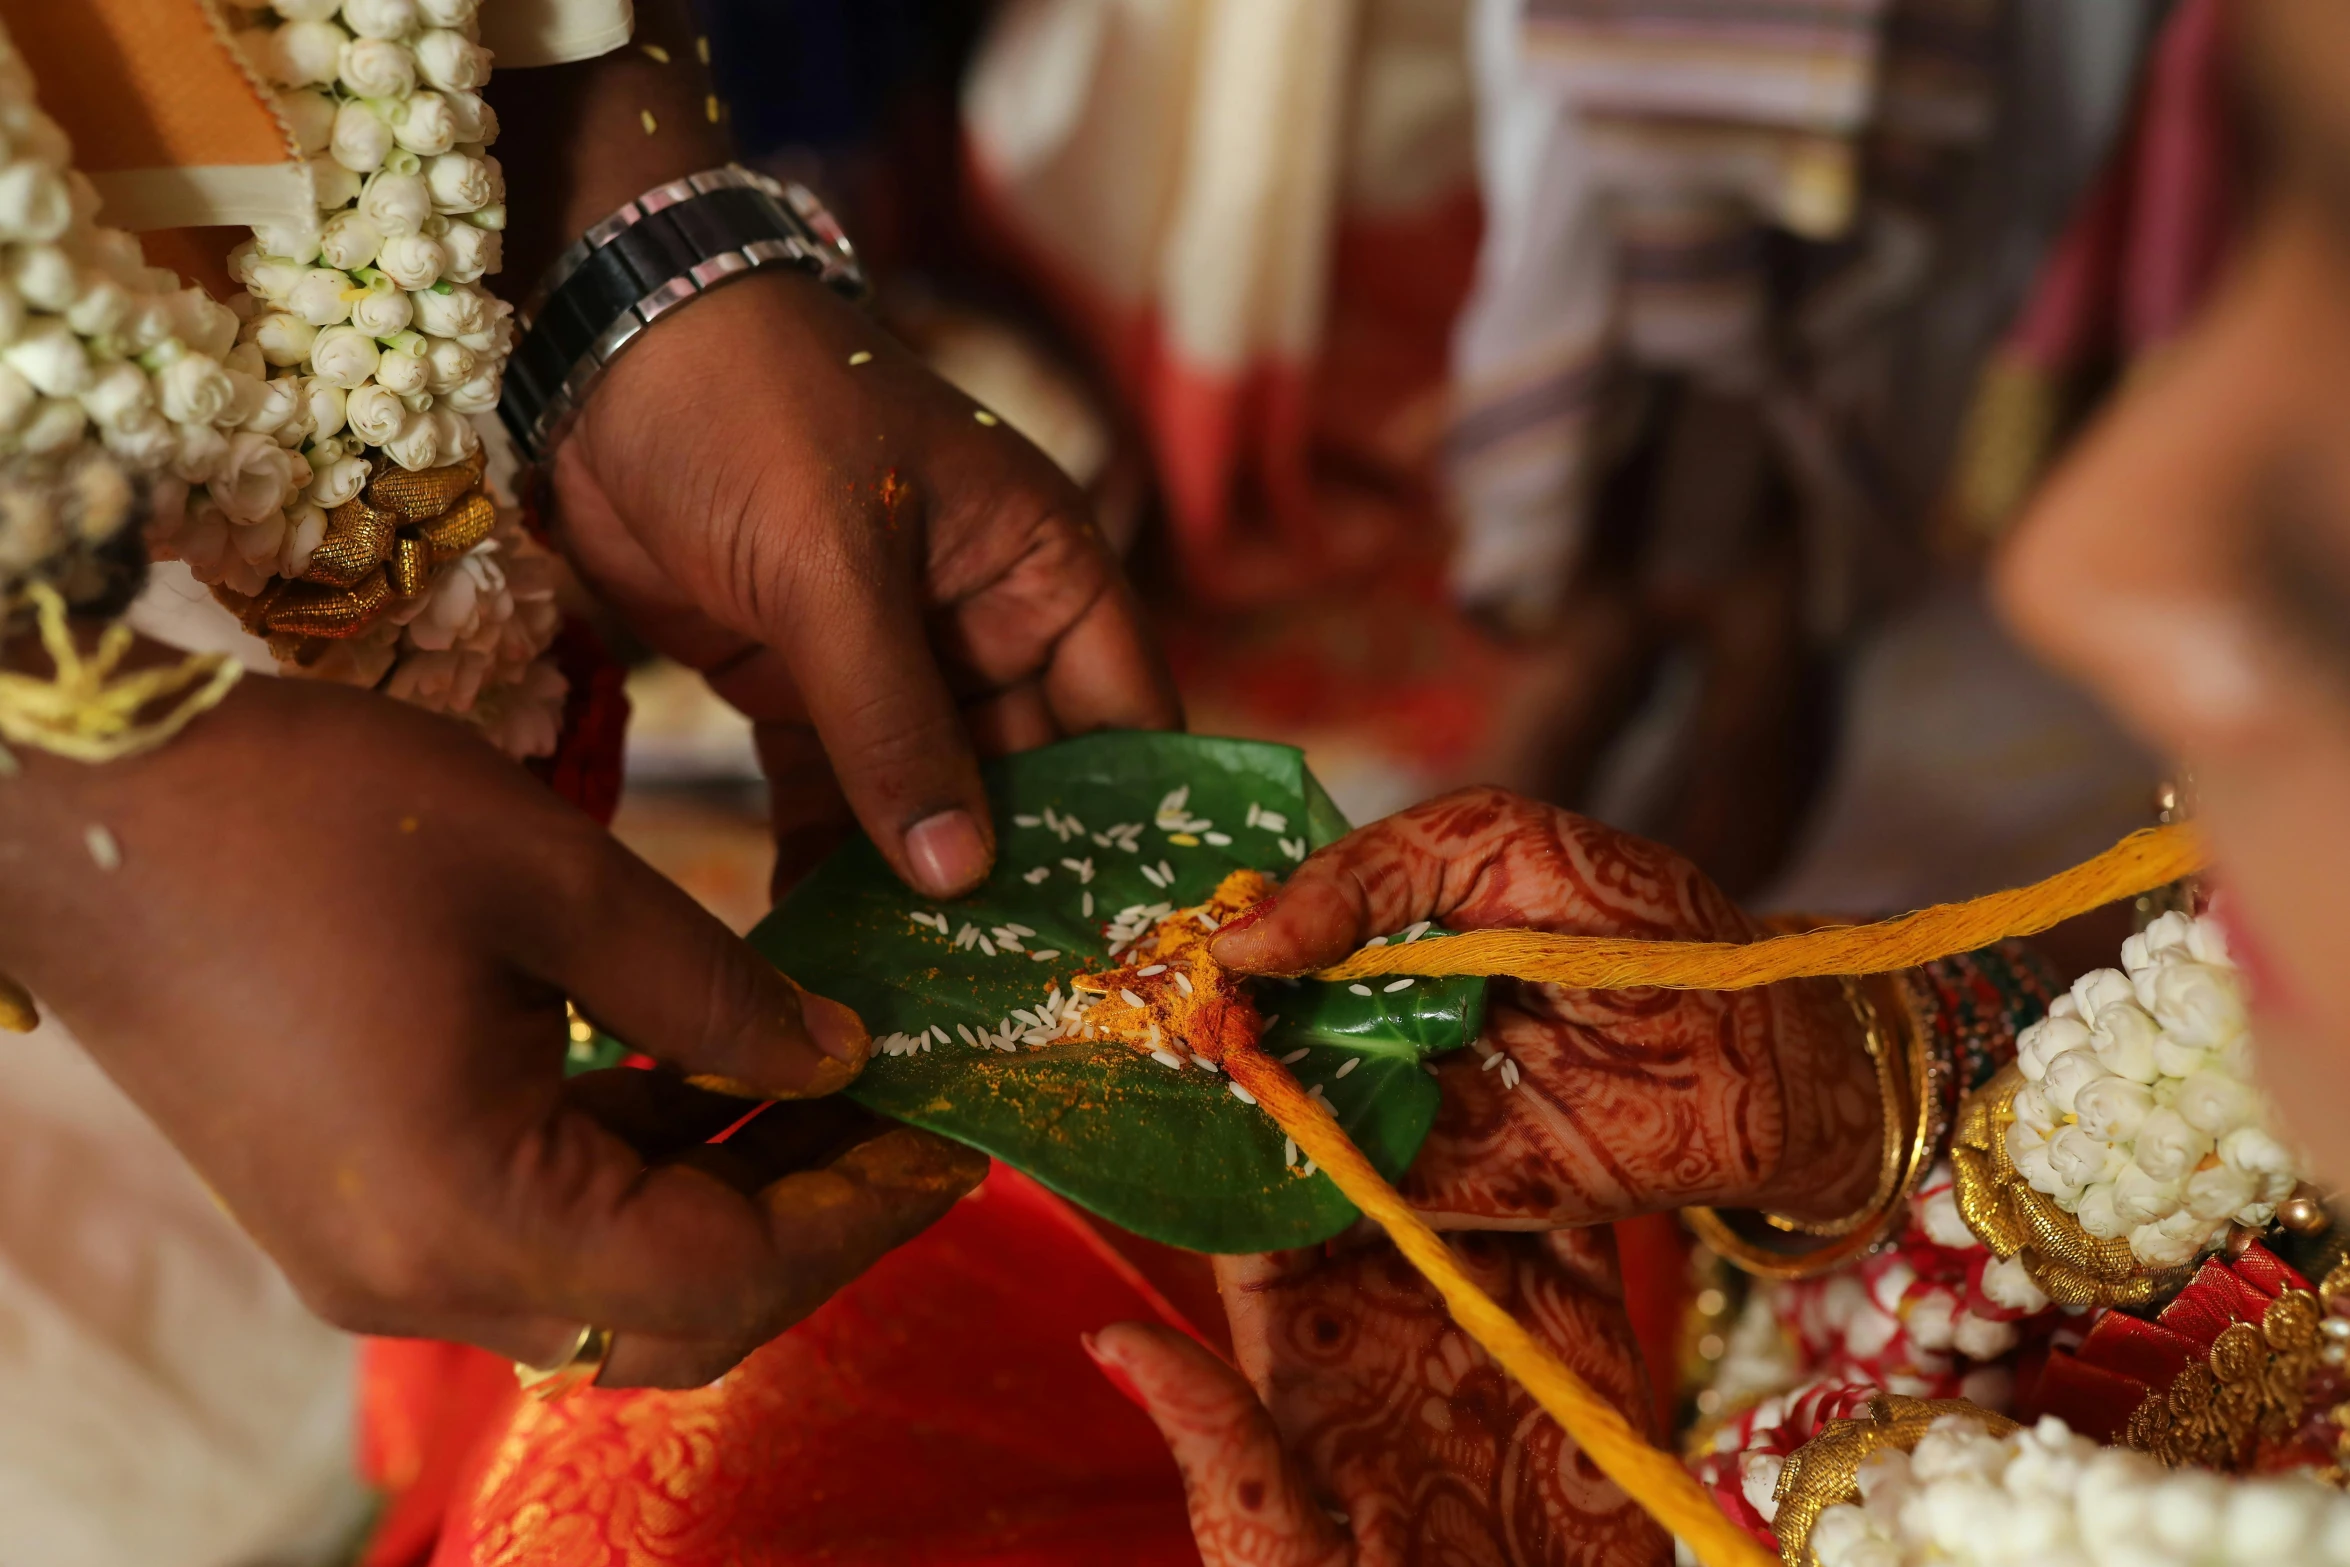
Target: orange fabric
144,84
939,1409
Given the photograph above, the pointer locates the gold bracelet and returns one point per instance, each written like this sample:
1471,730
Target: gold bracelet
1883,1006
1890,1098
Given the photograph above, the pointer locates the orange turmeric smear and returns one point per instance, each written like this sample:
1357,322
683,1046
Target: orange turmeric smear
1191,1007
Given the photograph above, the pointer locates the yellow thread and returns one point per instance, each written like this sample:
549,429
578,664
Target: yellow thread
2139,863
85,712
1652,1477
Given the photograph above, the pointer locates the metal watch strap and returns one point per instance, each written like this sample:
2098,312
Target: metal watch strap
672,243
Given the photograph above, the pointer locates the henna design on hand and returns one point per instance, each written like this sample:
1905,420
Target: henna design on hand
1630,1101
1433,1453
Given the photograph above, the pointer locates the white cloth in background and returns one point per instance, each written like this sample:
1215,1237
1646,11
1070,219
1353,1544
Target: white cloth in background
1635,155
165,1401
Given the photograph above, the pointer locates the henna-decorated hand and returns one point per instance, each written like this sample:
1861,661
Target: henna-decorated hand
1631,1101
1378,1411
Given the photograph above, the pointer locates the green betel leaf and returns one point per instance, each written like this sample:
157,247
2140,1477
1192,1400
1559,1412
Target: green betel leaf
1171,1154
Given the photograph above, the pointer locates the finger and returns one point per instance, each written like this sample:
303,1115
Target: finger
806,811
1474,859
658,1114
827,1226
1411,866
1106,671
864,666
1249,1505
654,968
1011,721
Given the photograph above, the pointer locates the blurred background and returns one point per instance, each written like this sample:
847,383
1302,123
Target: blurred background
1618,400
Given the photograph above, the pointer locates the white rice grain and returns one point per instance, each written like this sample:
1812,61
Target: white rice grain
1131,999
1217,839
1044,955
1036,877
1241,1094
969,1038
1183,983
1415,932
1360,990
1289,1152
1167,1059
1293,1058
987,946
1351,1063
1492,1061
1395,985
1155,968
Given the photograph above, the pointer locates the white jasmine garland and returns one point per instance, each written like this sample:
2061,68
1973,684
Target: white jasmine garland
1968,1499
2139,1115
367,340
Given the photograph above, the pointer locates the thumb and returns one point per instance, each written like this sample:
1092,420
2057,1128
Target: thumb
665,976
1249,1505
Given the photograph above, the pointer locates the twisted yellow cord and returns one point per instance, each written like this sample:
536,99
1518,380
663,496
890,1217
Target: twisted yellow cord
85,712
1651,1476
2140,863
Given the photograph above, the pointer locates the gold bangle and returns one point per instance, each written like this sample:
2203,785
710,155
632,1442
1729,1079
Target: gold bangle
1890,1099
1884,1007
580,1366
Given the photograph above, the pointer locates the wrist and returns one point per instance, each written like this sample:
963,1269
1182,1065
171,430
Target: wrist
650,260
1848,1111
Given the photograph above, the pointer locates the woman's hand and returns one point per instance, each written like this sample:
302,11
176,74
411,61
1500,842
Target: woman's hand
886,584
332,964
1630,1101
1383,1435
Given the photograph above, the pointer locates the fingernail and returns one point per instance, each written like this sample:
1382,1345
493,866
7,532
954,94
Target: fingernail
1225,948
1114,1371
948,852
837,1030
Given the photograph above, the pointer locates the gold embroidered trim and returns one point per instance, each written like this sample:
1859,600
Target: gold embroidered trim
1822,1473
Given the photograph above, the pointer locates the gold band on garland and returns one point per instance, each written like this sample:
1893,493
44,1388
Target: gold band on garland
2072,1266
1823,1472
384,547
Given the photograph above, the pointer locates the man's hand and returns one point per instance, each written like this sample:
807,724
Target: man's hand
1629,1101
332,965
1376,1433
883,582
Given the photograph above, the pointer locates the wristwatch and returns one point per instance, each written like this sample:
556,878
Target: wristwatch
672,243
